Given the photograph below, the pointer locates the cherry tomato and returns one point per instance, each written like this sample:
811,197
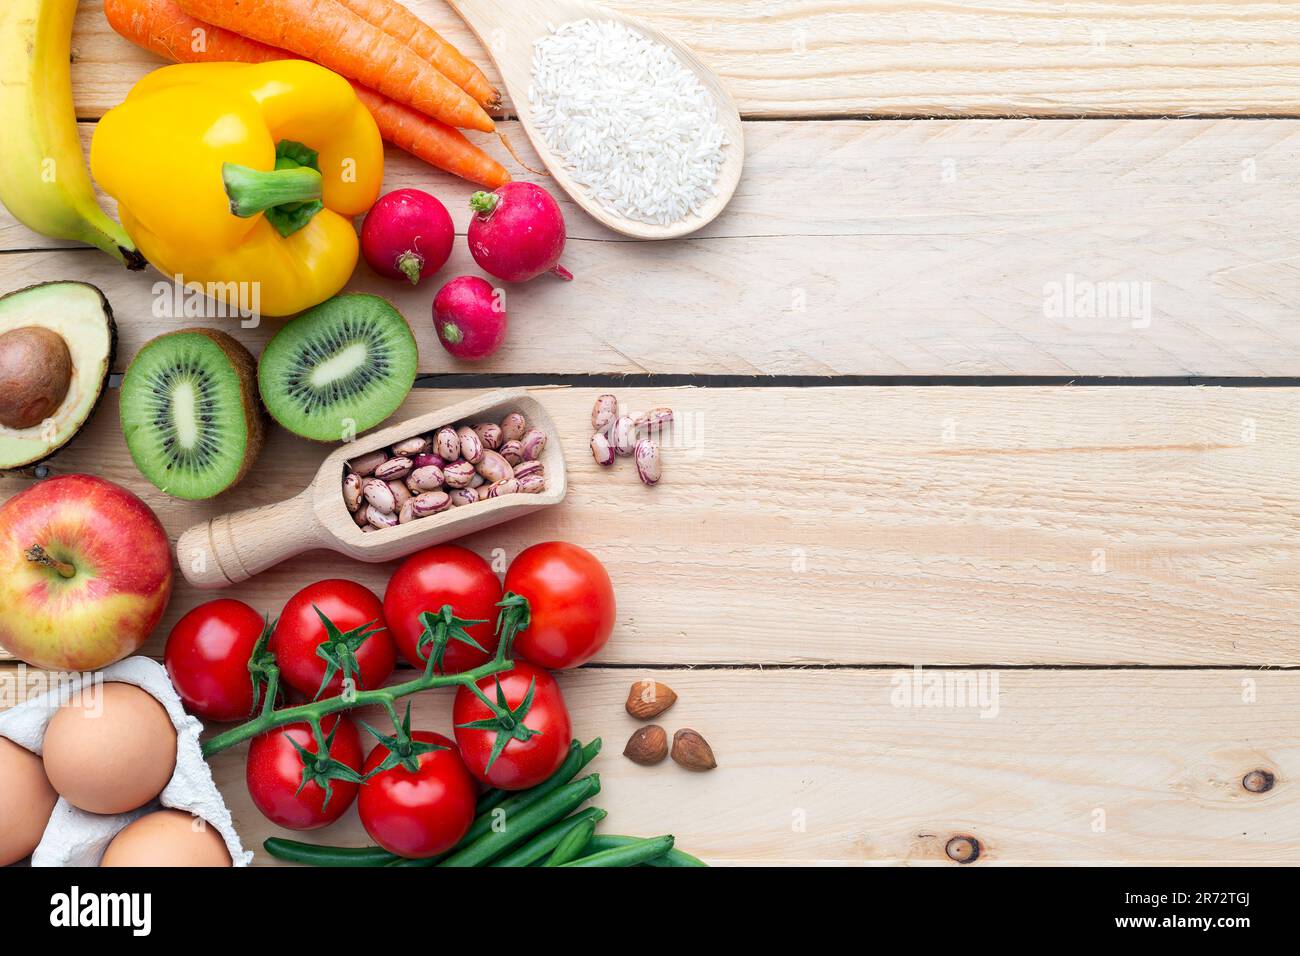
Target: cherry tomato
423,812
207,659
275,773
300,631
528,758
427,580
571,602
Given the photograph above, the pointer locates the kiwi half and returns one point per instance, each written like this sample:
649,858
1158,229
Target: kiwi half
339,368
190,413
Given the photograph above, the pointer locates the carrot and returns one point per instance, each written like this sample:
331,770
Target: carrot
161,27
164,28
436,143
333,36
400,24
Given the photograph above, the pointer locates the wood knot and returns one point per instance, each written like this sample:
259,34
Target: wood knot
1258,781
963,849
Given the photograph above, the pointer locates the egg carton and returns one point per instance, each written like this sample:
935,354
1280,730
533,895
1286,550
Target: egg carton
77,838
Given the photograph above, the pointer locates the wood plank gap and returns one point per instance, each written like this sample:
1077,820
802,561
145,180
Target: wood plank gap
668,380
948,117
901,665
462,380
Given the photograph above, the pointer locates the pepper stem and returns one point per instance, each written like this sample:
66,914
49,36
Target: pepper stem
254,190
483,202
40,556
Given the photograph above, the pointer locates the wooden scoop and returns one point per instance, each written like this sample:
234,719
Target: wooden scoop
508,28
234,547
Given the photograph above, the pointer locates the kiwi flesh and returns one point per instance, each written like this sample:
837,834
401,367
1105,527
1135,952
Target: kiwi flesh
339,368
190,412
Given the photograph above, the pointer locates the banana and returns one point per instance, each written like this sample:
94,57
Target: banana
43,178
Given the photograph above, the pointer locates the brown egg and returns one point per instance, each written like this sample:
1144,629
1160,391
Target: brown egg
167,838
26,801
112,751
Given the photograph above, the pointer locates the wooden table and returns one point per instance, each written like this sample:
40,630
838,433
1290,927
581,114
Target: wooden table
905,440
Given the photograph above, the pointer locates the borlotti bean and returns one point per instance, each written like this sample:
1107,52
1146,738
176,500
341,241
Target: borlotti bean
624,436
490,435
601,450
471,446
646,456
603,412
618,436
446,444
533,442
512,451
459,474
525,468
453,467
513,427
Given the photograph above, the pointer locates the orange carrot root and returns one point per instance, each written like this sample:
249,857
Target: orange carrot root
333,36
405,27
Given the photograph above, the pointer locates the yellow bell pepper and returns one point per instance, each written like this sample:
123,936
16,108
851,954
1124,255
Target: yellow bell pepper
243,173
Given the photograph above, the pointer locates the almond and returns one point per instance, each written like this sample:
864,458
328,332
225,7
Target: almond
692,751
647,745
649,698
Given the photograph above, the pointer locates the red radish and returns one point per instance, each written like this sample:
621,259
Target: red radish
469,317
407,233
517,232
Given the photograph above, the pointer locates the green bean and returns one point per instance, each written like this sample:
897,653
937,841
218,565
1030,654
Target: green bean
609,841
539,846
578,758
404,861
571,844
491,798
508,802
524,823
630,854
313,855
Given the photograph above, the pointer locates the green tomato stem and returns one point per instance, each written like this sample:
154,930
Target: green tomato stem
384,697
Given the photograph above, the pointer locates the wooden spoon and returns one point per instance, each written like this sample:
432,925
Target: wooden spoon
508,28
234,547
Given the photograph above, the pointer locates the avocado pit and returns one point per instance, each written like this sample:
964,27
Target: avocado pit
35,375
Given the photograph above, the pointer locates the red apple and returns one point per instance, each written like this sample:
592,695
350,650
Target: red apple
85,573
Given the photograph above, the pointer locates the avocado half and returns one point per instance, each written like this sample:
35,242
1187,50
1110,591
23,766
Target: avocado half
81,316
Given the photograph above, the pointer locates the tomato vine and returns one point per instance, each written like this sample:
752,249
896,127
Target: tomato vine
440,629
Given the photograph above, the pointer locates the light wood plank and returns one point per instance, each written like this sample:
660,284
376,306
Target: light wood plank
891,58
923,248
881,525
1087,767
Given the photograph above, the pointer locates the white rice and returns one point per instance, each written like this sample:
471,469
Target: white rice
633,124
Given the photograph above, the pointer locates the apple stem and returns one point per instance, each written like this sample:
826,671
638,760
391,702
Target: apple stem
41,556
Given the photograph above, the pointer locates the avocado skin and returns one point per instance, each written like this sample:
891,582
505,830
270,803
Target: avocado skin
23,464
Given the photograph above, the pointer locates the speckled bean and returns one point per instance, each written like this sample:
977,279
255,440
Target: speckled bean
471,446
447,444
365,465
458,474
513,427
